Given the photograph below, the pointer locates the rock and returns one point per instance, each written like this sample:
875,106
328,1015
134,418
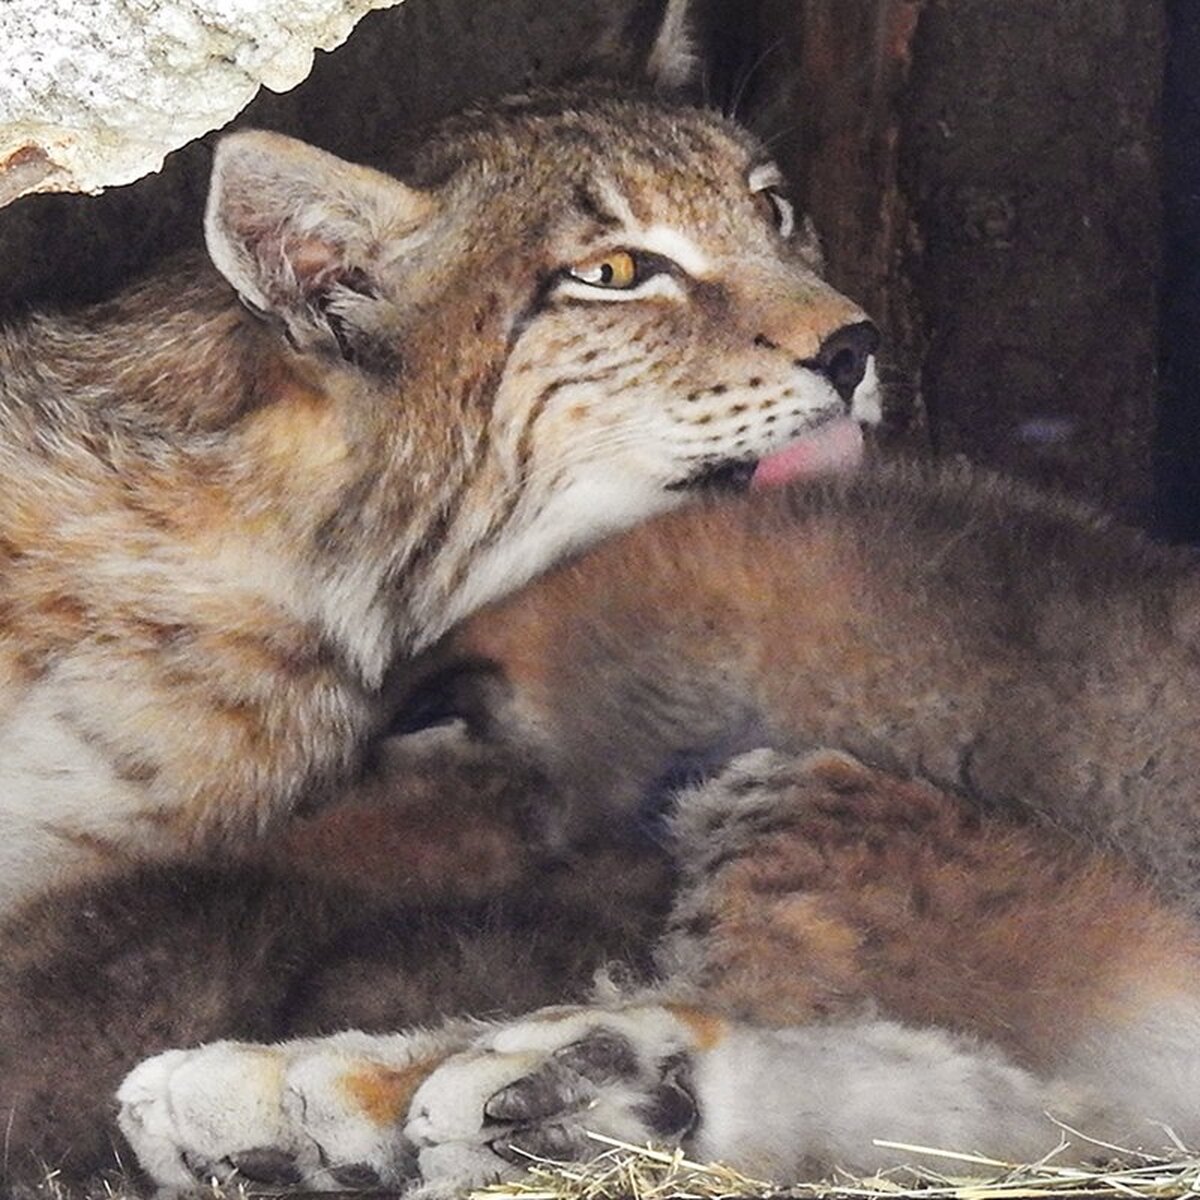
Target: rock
97,92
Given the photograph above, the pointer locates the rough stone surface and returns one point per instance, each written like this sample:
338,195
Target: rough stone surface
97,92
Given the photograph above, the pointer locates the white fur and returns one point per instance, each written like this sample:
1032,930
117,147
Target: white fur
779,1103
776,1103
660,286
678,247
660,239
768,176
594,502
1146,1066
866,404
206,1106
765,175
78,795
447,1120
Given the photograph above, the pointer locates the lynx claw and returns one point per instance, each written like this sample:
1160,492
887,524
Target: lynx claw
268,1165
569,1080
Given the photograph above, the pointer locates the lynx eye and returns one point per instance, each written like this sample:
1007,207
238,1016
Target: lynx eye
617,270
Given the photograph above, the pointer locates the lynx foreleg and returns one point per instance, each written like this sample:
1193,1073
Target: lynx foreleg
777,1103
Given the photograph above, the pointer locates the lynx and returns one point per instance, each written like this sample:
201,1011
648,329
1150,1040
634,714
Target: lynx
850,960
1016,649
233,497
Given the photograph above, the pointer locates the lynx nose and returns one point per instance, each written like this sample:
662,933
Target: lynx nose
842,357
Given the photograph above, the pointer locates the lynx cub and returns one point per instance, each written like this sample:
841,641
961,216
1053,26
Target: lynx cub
849,958
1011,647
230,503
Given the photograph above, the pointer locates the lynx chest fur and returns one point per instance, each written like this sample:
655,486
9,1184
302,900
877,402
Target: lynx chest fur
230,502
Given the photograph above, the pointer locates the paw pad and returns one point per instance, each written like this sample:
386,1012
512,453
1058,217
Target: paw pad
267,1165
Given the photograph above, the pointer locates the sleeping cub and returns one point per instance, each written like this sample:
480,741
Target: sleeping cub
849,958
1011,647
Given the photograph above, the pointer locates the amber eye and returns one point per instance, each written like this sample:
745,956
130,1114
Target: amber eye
617,270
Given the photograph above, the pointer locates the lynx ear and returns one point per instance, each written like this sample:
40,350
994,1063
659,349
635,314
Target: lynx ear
302,235
655,43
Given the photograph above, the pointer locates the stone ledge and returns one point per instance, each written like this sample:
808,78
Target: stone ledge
98,92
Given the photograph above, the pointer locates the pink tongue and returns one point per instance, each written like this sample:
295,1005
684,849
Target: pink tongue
835,446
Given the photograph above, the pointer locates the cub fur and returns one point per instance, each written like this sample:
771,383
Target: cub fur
229,503
1020,651
849,956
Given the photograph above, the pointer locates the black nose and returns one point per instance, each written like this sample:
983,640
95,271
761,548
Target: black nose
843,355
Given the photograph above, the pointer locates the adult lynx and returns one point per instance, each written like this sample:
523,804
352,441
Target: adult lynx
222,520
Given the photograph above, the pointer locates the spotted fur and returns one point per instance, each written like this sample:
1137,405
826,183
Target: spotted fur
221,520
852,960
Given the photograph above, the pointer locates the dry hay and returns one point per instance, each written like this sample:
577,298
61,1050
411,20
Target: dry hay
625,1172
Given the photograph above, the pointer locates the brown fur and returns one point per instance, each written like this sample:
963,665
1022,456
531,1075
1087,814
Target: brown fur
857,887
94,978
222,520
435,817
1024,653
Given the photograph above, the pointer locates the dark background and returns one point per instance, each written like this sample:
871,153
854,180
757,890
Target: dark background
1178,446
1012,189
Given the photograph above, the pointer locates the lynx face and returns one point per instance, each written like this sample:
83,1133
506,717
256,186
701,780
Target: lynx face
613,299
673,325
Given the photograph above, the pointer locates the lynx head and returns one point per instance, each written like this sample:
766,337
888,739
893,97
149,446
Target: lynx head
574,307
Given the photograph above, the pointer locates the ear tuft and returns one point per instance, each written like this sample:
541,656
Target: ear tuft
301,233
674,61
654,44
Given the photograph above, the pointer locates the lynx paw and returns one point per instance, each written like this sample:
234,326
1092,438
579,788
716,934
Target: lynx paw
760,792
538,1086
325,1113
